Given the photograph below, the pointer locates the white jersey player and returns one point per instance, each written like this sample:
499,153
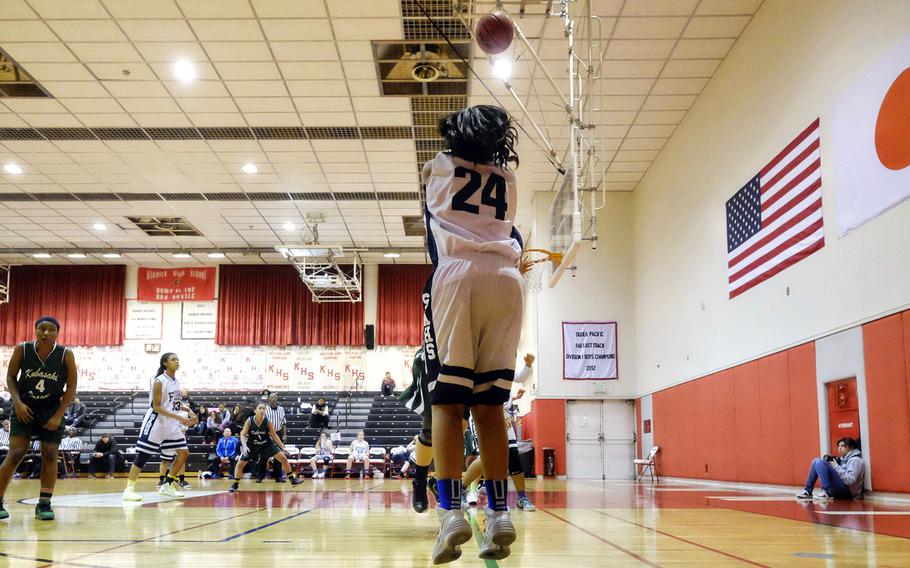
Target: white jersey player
161,428
475,309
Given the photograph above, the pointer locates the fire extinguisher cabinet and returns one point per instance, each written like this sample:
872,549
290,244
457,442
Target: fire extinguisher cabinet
549,462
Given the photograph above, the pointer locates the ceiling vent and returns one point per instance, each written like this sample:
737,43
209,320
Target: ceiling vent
421,67
414,226
166,226
16,82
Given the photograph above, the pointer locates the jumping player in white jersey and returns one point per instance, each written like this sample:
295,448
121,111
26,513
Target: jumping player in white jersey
160,432
476,296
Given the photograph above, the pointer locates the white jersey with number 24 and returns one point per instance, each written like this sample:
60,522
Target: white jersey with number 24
471,209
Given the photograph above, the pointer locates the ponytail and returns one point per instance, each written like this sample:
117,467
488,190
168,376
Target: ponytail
162,363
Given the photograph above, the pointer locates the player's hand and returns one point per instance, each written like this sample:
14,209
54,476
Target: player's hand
53,423
185,421
529,359
23,413
519,394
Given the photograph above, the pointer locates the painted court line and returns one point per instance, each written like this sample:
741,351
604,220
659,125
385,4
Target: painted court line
727,498
478,537
151,538
601,539
870,513
33,559
681,539
265,526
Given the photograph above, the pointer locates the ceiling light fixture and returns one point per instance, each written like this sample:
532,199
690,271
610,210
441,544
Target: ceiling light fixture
216,255
502,68
111,255
249,168
288,226
99,227
392,255
184,70
75,255
182,255
41,255
12,169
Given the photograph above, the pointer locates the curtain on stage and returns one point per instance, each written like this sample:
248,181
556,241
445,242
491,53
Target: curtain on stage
399,317
88,301
269,305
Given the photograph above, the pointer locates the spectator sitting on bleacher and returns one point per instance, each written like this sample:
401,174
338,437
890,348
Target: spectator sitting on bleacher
360,453
237,418
398,456
34,471
411,449
213,422
388,384
6,402
325,451
75,414
319,415
104,454
4,438
226,453
70,450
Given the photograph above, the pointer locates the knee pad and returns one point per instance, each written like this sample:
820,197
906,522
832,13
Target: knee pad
515,466
140,459
425,436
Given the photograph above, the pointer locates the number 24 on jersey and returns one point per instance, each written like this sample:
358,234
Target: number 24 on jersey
493,193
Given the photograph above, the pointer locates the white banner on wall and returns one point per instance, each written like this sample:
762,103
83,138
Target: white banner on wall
589,351
144,320
198,319
206,366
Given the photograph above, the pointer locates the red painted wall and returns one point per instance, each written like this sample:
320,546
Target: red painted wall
887,358
545,425
723,426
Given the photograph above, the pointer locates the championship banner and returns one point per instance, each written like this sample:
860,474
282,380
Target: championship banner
589,351
176,284
144,320
197,320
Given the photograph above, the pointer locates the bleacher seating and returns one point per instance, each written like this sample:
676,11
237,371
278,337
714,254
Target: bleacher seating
390,423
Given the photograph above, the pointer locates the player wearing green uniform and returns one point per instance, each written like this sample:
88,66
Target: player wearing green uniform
259,442
42,381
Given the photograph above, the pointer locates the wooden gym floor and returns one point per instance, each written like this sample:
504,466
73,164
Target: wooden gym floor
370,523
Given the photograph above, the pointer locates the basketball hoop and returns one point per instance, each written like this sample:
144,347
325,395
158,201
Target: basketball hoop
536,266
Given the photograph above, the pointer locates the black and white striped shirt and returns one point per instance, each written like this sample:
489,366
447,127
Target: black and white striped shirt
4,438
71,445
275,416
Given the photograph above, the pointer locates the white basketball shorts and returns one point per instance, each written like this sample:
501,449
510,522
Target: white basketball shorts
477,304
160,434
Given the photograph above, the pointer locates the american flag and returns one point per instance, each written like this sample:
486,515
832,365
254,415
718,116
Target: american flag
775,220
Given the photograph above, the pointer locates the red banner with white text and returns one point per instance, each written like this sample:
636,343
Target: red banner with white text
176,284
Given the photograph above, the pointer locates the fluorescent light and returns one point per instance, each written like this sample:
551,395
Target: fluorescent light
111,255
392,255
288,226
41,255
99,227
75,255
502,68
184,70
12,169
249,168
182,255
216,255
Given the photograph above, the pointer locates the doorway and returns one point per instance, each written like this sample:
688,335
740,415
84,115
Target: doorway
600,439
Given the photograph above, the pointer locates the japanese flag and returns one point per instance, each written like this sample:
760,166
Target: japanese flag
871,126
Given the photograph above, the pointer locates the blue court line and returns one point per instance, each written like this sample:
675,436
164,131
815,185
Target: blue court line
265,526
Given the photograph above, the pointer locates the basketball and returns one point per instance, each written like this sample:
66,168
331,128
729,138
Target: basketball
493,32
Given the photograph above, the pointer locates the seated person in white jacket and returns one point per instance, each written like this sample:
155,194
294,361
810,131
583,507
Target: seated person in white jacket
840,478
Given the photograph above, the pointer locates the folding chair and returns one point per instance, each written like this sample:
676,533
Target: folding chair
649,464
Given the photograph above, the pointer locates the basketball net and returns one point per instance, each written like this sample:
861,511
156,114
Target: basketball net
536,267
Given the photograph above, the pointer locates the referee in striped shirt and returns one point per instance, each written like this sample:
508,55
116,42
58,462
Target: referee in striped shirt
275,414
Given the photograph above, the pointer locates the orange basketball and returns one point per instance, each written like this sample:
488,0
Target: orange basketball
493,32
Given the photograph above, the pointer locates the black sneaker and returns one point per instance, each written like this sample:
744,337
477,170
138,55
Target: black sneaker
258,480
184,484
431,484
234,488
296,480
804,495
419,500
43,512
280,480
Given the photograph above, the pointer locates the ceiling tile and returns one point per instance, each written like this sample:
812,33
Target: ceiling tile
294,30
649,28
289,8
714,27
216,8
227,30
702,48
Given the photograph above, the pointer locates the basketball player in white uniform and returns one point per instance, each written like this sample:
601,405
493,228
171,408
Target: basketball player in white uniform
476,299
160,432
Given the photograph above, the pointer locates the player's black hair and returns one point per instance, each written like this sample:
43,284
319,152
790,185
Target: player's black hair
162,363
482,134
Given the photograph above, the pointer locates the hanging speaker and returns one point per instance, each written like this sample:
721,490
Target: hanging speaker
369,334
